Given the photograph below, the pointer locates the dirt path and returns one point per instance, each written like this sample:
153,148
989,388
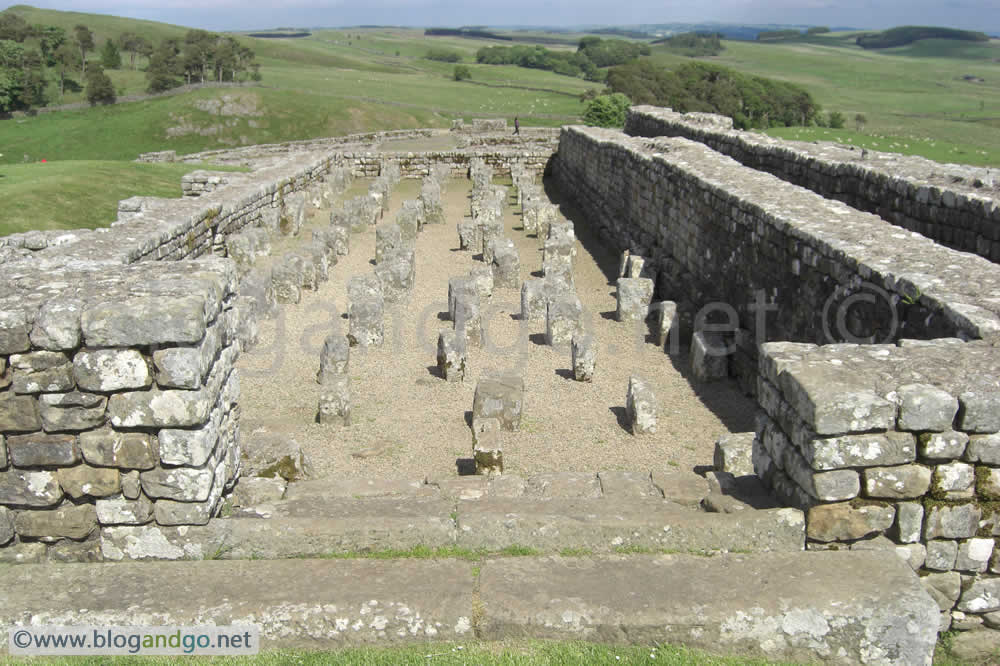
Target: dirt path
407,422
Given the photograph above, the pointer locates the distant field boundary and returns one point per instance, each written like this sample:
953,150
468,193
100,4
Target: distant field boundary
502,85
180,90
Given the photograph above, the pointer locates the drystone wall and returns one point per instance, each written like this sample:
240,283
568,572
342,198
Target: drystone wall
893,445
950,203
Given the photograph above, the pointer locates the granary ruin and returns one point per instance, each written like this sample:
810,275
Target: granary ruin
733,392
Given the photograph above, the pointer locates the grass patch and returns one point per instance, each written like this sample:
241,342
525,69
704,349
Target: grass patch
501,653
74,194
906,145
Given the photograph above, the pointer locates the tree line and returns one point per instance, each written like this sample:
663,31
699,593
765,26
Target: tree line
35,58
592,54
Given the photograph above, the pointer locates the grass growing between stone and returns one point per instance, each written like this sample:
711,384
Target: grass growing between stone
81,194
505,653
428,553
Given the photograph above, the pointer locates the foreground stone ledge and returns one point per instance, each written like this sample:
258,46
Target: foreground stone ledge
804,607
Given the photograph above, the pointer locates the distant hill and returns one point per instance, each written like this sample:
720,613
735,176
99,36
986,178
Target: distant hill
908,34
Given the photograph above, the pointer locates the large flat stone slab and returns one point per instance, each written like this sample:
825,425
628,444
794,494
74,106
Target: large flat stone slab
831,607
603,525
297,603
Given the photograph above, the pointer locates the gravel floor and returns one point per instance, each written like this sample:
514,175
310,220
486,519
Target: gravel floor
407,422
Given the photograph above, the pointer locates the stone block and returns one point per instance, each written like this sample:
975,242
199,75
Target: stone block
974,555
944,588
274,455
924,407
339,239
190,447
469,235
734,453
979,412
187,367
171,408
830,404
954,480
388,239
335,357
397,274
367,323
6,525
584,357
946,445
452,355
506,264
487,452
641,407
709,356
492,230
499,397
635,266
318,252
469,319
981,448
18,413
83,480
534,299
43,450
335,402
410,219
145,320
41,371
27,488
69,412
182,484
67,521
131,487
633,298
847,521
983,596
430,198
909,521
124,450
250,492
873,449
57,325
563,319
14,333
124,511
666,315
459,286
900,482
951,521
481,278
111,370
286,281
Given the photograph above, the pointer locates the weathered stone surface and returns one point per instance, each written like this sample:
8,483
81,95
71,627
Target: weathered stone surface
584,357
14,332
641,406
974,555
452,355
830,406
944,588
253,491
335,402
481,279
131,487
125,450
563,319
563,485
468,319
487,451
941,555
980,412
953,481
901,482
83,480
111,370
734,453
623,484
633,298
534,299
983,596
367,323
319,254
951,521
187,367
388,239
62,412
981,448
410,219
183,484
335,357
680,486
924,407
847,521
27,488
397,273
988,483
666,314
40,372
499,397
39,450
18,413
160,408
3,453
146,320
190,447
506,264
468,235
709,356
124,511
6,525
909,521
874,449
947,445
69,521
273,455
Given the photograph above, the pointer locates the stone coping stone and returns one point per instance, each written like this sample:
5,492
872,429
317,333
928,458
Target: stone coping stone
603,526
832,607
296,603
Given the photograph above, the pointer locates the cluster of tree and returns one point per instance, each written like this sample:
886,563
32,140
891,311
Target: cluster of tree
443,55
200,57
610,52
777,35
473,33
280,35
751,101
817,30
694,44
908,34
607,111
586,62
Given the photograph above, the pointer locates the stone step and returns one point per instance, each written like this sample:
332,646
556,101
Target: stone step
837,607
320,525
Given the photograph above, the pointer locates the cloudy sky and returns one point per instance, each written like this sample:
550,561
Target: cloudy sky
249,14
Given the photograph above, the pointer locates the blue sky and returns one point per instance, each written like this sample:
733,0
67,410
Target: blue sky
248,14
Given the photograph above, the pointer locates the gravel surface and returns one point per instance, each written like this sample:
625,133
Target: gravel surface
408,422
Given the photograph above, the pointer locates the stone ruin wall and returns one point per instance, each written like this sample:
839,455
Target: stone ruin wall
955,205
890,446
118,395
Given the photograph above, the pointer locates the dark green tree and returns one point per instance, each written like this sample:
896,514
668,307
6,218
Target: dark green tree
111,57
836,120
165,68
67,58
134,45
100,89
14,28
462,72
607,111
860,120
50,38
84,41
